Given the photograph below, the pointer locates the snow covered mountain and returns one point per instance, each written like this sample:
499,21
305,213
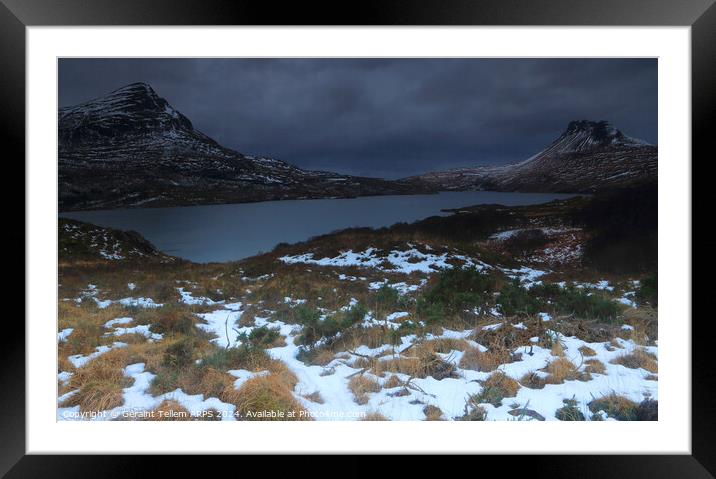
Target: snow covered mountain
588,156
131,148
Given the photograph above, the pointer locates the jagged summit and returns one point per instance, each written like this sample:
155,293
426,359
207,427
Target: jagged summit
586,157
582,135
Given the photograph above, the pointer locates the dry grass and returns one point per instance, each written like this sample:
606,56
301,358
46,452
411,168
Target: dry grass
260,397
99,383
374,416
615,406
446,345
315,396
87,321
321,357
639,358
594,366
170,411
645,322
497,387
560,370
177,323
532,380
433,413
484,361
587,351
361,385
557,349
392,382
209,382
422,363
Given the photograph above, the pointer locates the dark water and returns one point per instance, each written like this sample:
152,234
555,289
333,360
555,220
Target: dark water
230,232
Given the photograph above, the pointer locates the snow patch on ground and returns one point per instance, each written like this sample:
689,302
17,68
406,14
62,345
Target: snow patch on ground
395,261
79,360
222,324
138,401
64,334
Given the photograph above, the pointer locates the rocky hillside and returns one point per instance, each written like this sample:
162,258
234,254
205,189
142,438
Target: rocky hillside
131,148
589,156
78,241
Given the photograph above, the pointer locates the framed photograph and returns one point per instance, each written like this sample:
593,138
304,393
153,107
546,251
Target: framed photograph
447,228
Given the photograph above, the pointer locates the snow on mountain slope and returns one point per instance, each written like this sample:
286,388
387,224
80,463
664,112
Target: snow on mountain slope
588,156
131,148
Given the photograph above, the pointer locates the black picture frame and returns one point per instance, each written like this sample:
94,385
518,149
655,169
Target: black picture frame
16,15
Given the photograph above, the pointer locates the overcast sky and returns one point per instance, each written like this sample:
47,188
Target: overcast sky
385,117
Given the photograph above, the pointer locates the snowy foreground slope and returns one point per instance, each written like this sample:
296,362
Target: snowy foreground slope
404,399
360,324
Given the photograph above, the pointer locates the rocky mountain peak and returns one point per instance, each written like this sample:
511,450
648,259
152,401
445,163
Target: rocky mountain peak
585,135
133,109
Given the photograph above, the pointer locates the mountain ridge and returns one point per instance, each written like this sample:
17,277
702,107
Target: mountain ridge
131,148
587,157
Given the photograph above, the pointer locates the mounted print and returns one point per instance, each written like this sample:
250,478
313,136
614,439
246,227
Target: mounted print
372,239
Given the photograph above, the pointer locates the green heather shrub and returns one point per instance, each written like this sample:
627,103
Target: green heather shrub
648,291
545,291
515,299
570,411
165,380
586,304
261,337
430,312
387,297
459,289
353,315
583,303
179,354
315,328
241,357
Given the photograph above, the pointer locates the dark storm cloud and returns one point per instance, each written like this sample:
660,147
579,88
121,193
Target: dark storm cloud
385,117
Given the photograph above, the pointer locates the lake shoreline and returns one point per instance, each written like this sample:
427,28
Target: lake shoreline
230,232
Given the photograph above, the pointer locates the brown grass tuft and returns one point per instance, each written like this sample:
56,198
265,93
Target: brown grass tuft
497,387
489,360
392,382
433,413
587,351
423,363
594,366
639,358
615,406
99,383
265,394
532,380
445,345
360,386
315,396
557,349
170,411
374,416
560,370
